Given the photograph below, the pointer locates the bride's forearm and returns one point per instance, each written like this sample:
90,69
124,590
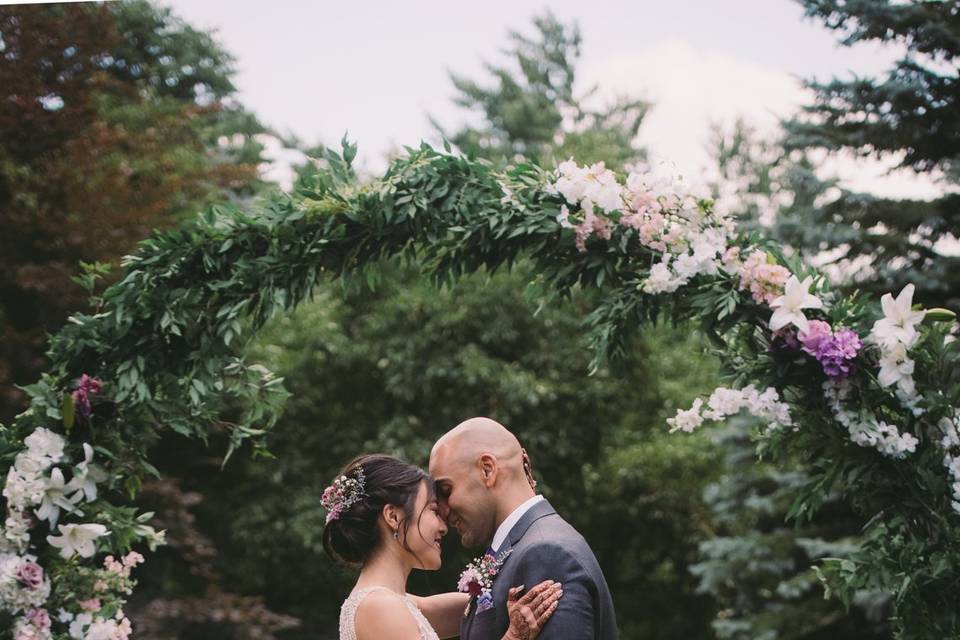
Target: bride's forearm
444,611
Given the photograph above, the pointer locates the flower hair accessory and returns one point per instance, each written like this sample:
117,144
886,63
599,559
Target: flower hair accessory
342,494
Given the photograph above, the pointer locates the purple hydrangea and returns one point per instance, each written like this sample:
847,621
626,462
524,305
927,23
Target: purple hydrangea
837,352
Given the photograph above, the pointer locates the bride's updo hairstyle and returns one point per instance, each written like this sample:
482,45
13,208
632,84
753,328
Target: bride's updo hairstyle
356,499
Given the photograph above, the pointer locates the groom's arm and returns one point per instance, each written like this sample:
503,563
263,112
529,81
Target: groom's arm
574,617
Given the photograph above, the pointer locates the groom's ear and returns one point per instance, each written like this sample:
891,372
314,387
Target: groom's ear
488,469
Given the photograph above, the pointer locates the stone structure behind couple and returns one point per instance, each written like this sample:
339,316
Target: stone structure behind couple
484,489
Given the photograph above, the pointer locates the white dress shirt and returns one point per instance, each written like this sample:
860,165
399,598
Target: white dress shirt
504,529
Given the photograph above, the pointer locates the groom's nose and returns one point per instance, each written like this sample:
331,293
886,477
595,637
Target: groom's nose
444,510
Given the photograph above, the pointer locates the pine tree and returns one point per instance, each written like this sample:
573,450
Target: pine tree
912,112
759,567
530,109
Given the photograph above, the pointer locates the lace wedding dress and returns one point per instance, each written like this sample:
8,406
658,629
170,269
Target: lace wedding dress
349,611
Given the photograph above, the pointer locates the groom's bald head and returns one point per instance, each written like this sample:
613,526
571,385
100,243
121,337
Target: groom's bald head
482,474
476,436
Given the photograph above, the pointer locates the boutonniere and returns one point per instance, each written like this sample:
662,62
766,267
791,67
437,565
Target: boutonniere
477,579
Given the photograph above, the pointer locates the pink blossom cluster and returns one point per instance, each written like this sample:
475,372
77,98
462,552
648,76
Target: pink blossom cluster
122,567
35,625
477,578
764,280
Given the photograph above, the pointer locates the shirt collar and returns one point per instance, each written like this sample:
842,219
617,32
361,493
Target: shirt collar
504,529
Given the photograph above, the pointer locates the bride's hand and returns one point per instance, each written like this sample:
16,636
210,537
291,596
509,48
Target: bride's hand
529,613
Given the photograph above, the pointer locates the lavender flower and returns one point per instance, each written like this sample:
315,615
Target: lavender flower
836,353
817,331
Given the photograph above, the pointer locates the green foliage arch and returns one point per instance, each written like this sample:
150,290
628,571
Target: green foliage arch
159,352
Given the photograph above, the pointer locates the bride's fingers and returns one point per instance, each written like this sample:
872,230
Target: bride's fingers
543,617
514,593
545,595
550,601
532,595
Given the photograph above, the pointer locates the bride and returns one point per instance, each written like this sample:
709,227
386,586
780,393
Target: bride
383,515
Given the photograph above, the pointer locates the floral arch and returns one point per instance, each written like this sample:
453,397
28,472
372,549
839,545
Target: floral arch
865,391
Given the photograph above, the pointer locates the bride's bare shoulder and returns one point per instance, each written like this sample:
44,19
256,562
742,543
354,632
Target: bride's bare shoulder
384,615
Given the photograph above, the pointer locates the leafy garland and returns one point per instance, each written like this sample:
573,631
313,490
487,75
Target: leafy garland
866,394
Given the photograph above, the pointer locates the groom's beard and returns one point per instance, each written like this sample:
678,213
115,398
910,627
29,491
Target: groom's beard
470,537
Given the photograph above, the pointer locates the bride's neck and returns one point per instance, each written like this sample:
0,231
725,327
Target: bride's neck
386,569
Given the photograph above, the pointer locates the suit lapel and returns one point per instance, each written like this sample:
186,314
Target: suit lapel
537,511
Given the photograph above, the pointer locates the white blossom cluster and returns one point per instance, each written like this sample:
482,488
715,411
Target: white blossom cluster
34,481
864,428
951,444
724,402
86,626
23,584
661,208
36,487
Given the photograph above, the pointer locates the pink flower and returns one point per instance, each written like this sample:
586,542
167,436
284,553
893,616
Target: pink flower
766,281
40,619
100,586
132,559
592,223
816,332
111,565
91,605
30,575
731,259
81,396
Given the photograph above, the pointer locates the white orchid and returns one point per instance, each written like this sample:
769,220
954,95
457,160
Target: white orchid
899,321
77,539
55,498
789,307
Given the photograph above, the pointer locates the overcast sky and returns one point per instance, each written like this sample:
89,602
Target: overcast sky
377,68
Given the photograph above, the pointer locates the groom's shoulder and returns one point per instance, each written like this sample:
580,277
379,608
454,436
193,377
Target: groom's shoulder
552,535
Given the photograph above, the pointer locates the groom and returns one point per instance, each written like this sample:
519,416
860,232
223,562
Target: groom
486,493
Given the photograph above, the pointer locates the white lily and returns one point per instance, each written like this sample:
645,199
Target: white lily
86,476
899,321
894,365
789,307
77,539
55,498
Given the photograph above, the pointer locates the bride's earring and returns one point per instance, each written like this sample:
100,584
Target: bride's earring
396,535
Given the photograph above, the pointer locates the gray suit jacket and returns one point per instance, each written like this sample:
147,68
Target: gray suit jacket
545,547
